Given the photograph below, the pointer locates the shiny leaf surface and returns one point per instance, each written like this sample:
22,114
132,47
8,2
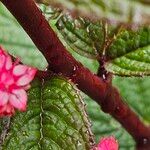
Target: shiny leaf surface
55,119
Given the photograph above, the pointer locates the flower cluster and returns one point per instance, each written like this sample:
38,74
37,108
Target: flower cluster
108,143
14,81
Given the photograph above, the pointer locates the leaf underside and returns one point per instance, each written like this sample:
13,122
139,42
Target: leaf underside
55,119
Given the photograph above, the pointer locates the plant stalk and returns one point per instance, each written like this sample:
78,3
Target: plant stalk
61,61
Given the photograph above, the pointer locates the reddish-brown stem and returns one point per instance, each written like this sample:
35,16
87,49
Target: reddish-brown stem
60,61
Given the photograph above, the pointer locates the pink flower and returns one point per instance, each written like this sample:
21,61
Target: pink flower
14,80
108,143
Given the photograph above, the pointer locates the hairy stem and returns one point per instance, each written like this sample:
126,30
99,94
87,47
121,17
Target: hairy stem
60,61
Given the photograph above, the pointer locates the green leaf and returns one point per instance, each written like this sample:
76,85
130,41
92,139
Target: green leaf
136,93
119,11
79,54
129,54
127,51
82,36
55,119
17,43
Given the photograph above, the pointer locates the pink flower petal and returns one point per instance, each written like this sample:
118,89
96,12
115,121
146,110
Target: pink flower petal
3,77
108,143
8,63
14,80
24,80
7,78
2,61
27,87
7,110
19,70
18,99
3,98
32,71
27,78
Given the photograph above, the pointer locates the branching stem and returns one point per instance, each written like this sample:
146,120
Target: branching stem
60,61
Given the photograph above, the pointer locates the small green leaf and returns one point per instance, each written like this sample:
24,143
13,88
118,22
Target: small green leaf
55,119
129,54
80,55
82,36
128,41
17,43
119,11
